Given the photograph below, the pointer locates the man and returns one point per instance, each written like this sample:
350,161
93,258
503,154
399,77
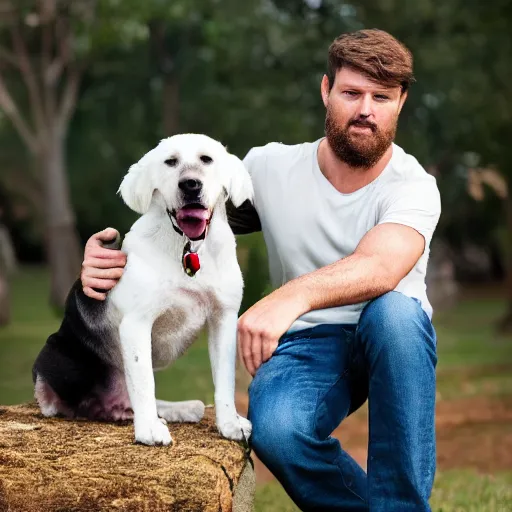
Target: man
347,222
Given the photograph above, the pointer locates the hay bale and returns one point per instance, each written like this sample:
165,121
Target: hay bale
61,465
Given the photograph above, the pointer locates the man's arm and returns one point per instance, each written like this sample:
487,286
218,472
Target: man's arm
244,219
385,255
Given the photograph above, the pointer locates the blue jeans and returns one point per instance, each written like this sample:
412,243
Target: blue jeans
318,376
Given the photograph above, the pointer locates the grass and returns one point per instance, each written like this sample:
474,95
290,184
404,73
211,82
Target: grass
466,491
454,491
467,334
473,360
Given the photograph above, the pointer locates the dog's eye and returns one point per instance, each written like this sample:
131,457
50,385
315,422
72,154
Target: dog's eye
206,159
172,162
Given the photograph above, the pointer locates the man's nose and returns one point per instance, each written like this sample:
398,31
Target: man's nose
366,105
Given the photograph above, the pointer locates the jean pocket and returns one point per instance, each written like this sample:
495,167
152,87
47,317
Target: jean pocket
286,342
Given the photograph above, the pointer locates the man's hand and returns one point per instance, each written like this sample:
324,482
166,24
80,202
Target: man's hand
101,267
261,326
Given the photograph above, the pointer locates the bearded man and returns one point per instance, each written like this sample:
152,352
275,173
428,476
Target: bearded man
347,221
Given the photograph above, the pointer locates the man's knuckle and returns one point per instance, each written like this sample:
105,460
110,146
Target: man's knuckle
93,253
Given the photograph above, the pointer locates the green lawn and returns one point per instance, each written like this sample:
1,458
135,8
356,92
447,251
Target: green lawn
467,345
454,491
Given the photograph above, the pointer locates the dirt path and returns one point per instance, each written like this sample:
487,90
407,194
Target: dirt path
474,433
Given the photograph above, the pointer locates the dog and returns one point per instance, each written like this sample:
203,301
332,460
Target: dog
181,274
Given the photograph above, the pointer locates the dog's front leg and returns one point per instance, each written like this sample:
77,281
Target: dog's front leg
135,334
222,349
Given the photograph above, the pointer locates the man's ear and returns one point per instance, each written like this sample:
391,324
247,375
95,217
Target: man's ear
237,181
137,187
403,97
324,90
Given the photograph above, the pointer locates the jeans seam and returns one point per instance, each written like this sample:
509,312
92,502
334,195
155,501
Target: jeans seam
322,399
345,484
344,374
341,377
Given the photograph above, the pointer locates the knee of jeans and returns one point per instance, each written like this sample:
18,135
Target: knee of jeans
276,432
395,322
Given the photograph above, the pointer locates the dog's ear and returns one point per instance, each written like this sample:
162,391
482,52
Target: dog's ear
238,183
137,186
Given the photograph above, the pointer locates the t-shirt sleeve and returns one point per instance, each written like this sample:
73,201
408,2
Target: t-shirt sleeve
255,160
417,205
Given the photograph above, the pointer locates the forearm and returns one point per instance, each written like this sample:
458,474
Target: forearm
351,280
382,258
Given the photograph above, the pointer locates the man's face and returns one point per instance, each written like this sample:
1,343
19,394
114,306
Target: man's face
361,118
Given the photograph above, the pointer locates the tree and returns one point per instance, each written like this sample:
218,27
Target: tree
40,76
7,267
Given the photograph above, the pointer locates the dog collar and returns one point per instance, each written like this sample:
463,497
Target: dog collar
190,257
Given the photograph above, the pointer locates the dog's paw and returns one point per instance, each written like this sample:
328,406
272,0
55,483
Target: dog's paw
153,432
189,411
236,428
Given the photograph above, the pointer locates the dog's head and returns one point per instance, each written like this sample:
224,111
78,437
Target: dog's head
191,172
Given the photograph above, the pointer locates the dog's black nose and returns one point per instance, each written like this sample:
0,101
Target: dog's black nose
190,186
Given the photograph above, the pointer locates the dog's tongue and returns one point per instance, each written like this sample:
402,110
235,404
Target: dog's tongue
192,221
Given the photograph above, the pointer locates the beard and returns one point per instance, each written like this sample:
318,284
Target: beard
361,151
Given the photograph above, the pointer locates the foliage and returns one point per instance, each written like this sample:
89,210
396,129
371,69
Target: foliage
248,73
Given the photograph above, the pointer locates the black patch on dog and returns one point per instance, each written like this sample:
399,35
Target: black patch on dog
78,357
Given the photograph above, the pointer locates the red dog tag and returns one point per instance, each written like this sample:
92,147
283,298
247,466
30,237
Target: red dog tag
191,263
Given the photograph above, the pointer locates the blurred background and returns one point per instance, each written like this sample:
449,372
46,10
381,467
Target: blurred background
87,87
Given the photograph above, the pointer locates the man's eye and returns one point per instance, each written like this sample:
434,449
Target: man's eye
381,97
351,93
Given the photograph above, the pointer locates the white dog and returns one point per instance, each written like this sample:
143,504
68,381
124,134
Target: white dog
181,274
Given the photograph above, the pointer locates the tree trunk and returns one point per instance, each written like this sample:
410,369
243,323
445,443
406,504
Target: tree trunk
62,244
5,304
7,268
166,63
52,464
171,104
505,323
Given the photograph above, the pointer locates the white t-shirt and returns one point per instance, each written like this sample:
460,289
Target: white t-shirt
307,224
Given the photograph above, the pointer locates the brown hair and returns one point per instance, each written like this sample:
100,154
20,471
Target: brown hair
374,53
